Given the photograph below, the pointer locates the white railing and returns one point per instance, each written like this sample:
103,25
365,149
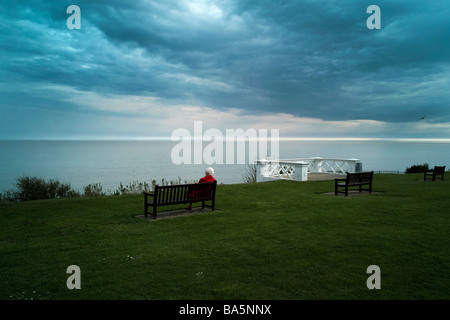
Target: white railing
325,165
280,170
298,169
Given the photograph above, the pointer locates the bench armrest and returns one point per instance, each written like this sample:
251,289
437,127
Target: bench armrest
149,193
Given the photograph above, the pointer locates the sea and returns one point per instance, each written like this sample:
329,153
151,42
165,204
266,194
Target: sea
110,163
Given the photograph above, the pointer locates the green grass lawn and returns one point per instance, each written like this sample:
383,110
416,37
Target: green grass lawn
272,240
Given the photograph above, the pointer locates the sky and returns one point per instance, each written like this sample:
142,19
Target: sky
142,69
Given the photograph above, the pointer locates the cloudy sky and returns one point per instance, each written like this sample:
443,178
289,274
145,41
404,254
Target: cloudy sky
143,68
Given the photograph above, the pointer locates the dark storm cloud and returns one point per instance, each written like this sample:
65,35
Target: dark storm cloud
306,58
296,56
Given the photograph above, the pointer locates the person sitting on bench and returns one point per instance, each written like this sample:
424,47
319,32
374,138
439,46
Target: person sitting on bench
207,178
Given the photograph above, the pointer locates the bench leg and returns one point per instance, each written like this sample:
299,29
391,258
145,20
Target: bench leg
154,212
145,206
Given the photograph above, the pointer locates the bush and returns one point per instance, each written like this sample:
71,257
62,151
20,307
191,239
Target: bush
418,168
251,173
33,188
133,188
7,196
93,190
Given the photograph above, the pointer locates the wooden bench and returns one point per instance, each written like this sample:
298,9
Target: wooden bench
358,179
437,171
180,194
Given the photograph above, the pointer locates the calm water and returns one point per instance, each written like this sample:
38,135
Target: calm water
110,162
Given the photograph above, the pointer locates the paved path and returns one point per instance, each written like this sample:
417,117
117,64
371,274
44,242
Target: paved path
315,176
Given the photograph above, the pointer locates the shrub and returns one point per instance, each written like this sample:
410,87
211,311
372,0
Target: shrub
33,188
7,196
418,168
251,173
136,187
133,188
93,190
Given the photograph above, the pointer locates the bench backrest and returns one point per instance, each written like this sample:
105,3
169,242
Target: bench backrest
439,169
359,177
183,192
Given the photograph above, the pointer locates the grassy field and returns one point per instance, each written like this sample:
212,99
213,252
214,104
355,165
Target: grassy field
273,240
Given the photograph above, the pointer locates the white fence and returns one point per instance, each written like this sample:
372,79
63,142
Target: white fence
298,169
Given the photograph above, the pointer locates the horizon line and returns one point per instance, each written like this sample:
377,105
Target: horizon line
118,139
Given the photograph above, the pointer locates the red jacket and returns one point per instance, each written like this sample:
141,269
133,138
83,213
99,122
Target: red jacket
197,192
207,179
